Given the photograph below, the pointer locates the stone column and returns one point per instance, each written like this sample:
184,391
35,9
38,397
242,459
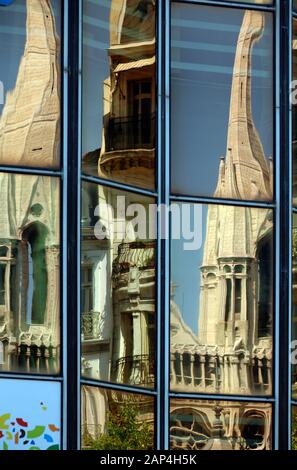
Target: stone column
202,365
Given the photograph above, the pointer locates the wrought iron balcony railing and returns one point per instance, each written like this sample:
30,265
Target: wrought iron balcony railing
139,254
135,370
124,133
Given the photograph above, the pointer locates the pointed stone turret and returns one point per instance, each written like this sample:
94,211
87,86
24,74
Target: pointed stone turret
230,272
29,125
247,174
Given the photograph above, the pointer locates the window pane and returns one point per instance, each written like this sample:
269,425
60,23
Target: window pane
219,425
116,420
294,427
30,415
30,91
294,111
294,308
222,299
119,82
222,102
30,273
118,286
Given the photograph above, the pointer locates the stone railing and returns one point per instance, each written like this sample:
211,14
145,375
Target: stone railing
229,373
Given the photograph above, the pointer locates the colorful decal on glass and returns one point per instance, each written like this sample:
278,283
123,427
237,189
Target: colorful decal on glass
29,415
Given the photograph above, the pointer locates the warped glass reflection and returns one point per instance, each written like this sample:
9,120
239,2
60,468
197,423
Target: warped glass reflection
117,287
30,79
222,303
114,420
210,425
119,81
294,308
222,102
29,273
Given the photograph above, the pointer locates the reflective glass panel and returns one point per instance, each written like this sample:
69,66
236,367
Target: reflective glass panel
222,299
30,414
294,309
30,83
119,90
117,286
294,110
294,427
219,425
222,102
29,273
116,420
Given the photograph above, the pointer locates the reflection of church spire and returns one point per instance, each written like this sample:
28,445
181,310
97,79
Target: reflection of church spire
29,125
245,169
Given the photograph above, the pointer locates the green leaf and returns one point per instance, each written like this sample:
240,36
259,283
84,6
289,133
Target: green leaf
5,446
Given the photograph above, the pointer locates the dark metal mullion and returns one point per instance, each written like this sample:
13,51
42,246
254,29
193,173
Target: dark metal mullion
119,387
30,171
117,185
284,227
73,193
220,201
222,397
234,4
162,410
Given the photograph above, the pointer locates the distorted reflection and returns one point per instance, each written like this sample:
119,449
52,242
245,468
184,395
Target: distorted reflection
294,307
222,316
209,425
116,420
205,69
294,427
118,288
294,111
222,342
119,91
29,273
30,116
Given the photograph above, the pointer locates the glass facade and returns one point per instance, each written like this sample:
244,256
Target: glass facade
232,73
148,225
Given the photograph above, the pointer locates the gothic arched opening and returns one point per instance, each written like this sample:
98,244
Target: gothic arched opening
253,430
36,272
265,294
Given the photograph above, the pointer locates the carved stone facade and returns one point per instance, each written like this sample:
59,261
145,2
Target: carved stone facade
232,352
29,213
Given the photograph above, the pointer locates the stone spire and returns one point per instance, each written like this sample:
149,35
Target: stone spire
247,172
29,125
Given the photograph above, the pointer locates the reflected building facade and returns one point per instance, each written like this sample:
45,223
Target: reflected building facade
30,217
118,271
232,353
233,350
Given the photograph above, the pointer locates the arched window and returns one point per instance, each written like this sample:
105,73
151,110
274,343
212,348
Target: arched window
265,260
36,272
253,430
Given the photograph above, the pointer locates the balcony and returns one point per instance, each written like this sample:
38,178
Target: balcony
135,370
135,254
126,133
